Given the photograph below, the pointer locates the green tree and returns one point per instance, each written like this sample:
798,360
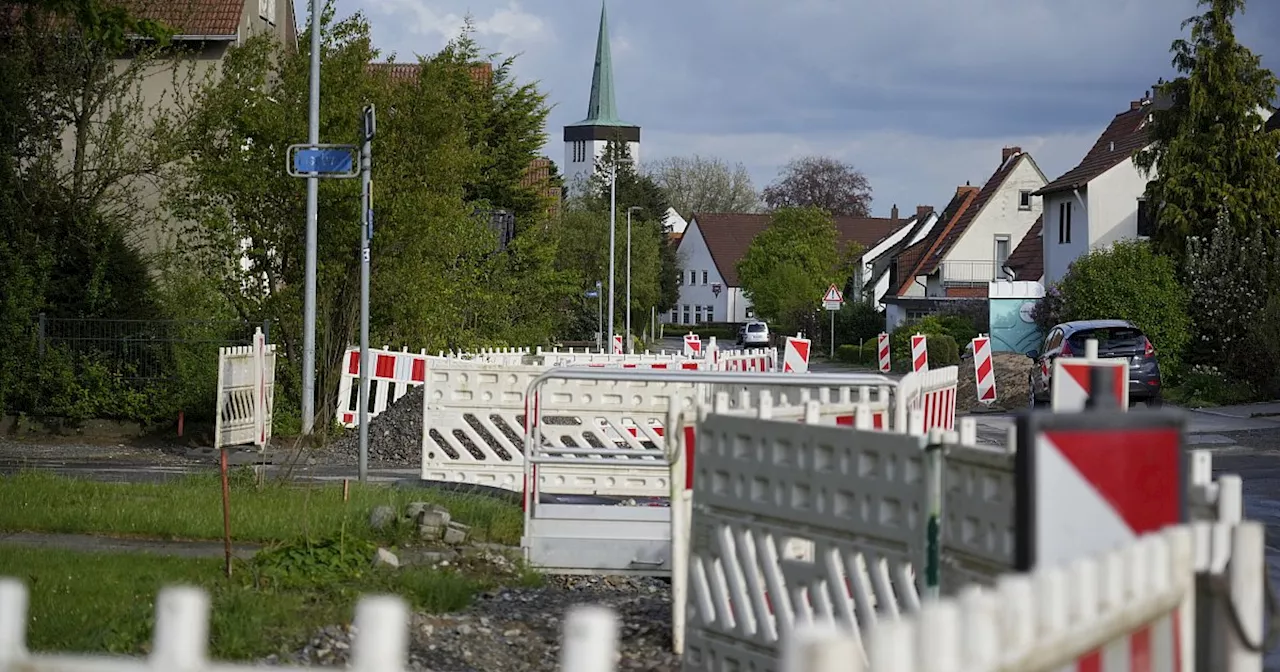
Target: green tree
639,190
438,279
1214,167
789,265
1128,281
705,184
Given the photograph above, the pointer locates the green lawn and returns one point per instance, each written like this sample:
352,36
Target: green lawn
190,507
104,603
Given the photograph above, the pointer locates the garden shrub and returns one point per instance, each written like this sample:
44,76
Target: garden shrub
900,339
849,354
858,321
1229,279
1130,282
1261,347
943,351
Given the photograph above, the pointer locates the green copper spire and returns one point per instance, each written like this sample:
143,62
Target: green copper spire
602,109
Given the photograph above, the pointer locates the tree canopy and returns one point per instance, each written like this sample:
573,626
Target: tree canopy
705,184
821,182
1214,167
789,265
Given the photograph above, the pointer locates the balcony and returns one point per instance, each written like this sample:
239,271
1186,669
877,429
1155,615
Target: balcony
971,272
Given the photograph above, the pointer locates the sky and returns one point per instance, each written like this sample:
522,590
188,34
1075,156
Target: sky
920,95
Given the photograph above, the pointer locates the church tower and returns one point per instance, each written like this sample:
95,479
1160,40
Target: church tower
586,139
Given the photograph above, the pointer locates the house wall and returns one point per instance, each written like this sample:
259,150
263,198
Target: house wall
871,256
576,172
1057,255
1113,204
695,293
1000,216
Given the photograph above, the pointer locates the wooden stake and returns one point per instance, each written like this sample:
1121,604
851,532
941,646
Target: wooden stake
346,489
226,512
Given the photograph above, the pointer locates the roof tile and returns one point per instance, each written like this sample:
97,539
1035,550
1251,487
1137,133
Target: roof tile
1027,260
190,17
728,235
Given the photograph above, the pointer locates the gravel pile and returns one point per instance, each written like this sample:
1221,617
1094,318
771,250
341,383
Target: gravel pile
519,629
1011,383
395,435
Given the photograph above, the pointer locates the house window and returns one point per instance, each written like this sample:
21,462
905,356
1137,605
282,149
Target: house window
697,314
693,277
686,314
710,314
1002,255
704,277
1064,223
267,11
1024,199
1146,224
675,316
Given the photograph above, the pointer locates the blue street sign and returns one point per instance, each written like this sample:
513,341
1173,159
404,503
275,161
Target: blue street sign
322,161
592,294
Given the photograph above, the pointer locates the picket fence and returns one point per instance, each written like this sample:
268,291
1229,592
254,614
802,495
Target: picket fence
1129,609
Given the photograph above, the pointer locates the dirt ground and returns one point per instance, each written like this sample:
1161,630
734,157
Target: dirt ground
1011,383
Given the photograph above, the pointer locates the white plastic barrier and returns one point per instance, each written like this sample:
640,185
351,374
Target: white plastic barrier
761,360
246,393
392,375
933,393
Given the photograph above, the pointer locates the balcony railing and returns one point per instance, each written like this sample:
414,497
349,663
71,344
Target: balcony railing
971,272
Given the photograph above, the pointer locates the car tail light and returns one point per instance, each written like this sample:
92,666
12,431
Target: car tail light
1148,350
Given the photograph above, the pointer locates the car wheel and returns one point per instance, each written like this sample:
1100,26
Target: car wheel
1031,393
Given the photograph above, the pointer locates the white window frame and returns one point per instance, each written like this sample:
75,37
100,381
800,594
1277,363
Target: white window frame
1024,194
995,253
267,11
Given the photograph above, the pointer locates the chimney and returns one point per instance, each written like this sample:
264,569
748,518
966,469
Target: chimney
893,213
923,211
1135,105
1008,152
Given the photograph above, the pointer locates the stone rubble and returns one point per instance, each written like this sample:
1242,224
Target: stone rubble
395,435
519,629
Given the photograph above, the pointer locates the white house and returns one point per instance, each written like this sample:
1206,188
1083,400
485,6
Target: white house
712,245
976,234
1101,200
877,261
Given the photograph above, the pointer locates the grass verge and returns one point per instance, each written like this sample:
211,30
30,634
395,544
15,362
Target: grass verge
190,507
104,602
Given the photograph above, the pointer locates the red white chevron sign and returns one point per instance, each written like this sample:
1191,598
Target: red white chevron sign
882,350
1072,382
984,370
795,358
919,353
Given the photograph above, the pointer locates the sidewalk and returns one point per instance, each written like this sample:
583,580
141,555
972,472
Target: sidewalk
89,543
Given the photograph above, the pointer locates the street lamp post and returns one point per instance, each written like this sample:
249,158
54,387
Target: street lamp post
613,213
313,200
631,348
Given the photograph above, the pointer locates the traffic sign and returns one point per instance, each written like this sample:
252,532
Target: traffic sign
1088,482
325,161
833,299
1072,382
591,294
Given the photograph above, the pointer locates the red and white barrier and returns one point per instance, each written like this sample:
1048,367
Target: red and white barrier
933,393
795,355
984,370
761,360
919,353
1072,381
692,345
617,344
392,375
882,352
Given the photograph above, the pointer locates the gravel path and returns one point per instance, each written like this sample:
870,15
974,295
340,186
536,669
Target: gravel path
519,629
395,435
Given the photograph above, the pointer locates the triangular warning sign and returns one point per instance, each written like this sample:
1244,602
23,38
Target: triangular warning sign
833,294
1135,471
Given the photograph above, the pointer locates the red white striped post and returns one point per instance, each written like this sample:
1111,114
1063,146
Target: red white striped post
919,353
882,350
984,370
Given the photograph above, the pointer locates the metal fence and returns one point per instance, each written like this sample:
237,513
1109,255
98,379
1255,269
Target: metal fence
142,350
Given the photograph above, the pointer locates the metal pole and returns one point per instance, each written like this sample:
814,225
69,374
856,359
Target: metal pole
630,348
613,213
599,318
313,196
833,333
366,233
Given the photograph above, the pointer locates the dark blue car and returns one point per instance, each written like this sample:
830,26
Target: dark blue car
1116,339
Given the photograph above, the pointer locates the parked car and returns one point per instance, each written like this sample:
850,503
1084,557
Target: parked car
754,335
1116,339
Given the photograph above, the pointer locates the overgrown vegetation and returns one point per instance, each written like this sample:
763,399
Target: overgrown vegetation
190,508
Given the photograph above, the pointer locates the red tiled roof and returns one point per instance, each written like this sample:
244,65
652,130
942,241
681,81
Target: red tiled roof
952,233
1123,137
403,72
729,235
190,17
911,258
1027,260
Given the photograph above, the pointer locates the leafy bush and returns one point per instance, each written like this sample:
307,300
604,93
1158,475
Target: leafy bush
960,328
1130,282
900,339
943,351
303,562
1049,310
1229,279
858,321
1261,347
1208,386
864,354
